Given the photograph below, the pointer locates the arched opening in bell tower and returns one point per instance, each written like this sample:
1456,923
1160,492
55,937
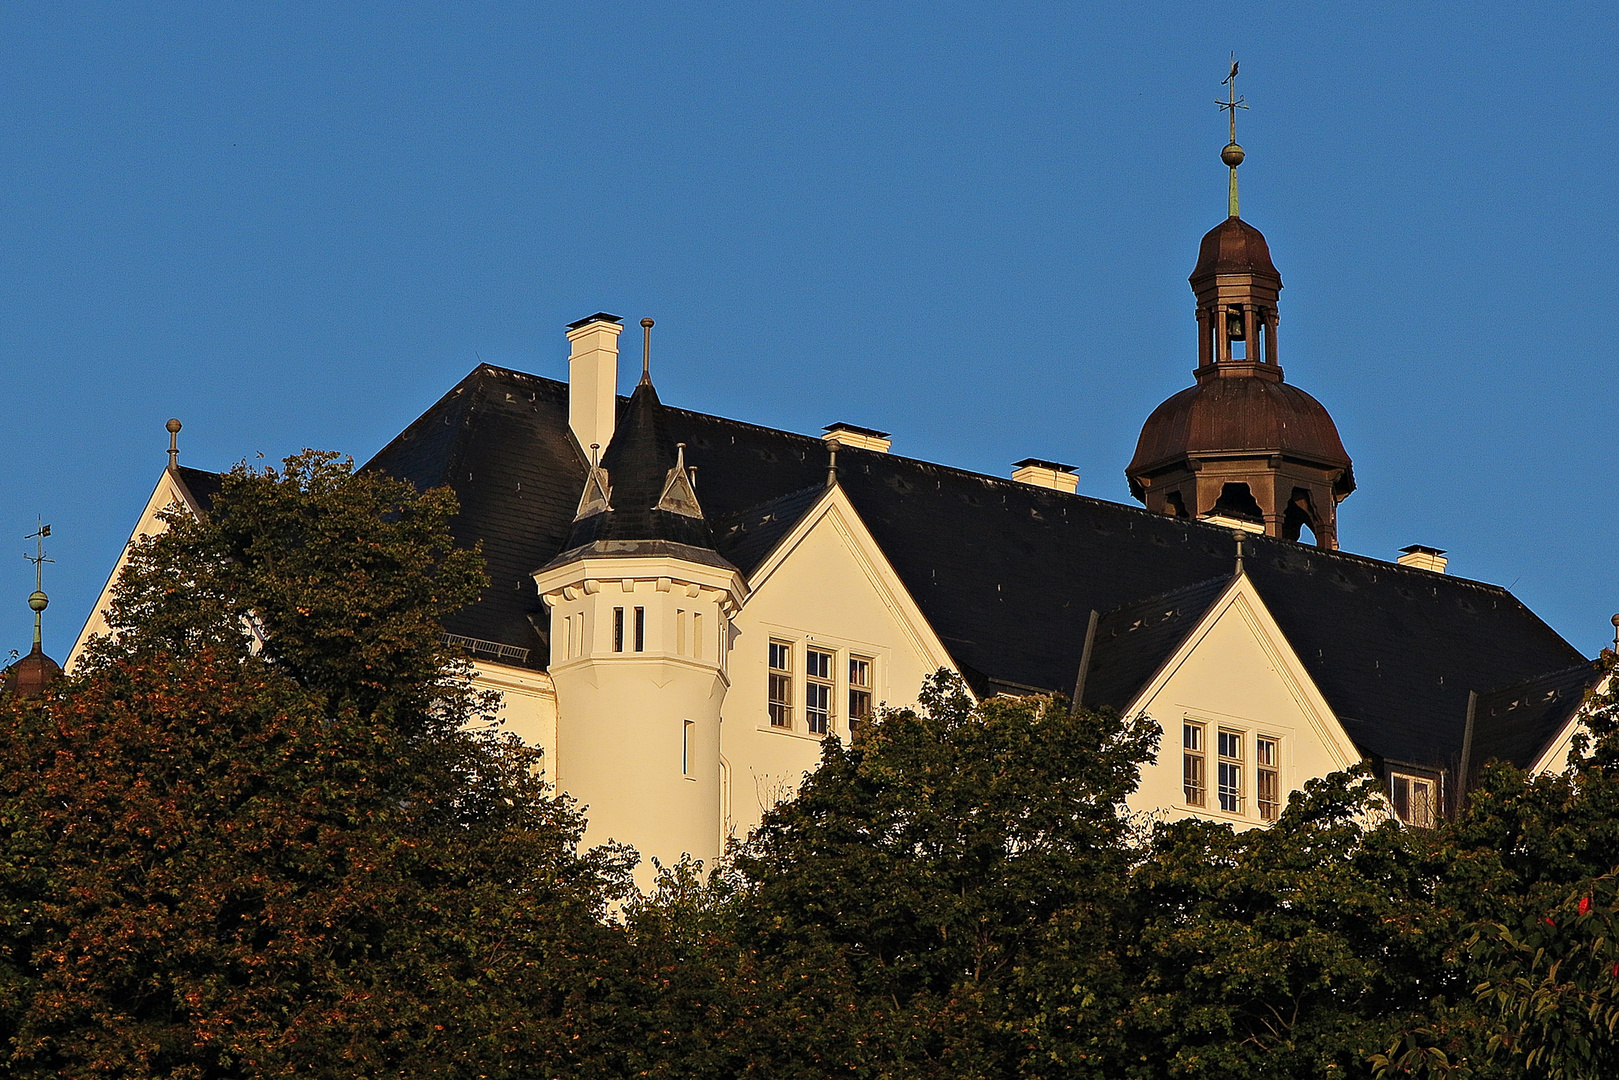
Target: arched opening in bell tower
1300,515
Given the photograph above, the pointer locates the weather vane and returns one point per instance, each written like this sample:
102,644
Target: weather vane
1232,155
39,601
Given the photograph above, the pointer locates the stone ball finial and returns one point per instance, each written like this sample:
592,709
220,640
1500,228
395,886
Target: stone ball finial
1615,620
1232,155
38,600
647,323
173,426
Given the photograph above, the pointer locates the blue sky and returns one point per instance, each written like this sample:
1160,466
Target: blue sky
967,224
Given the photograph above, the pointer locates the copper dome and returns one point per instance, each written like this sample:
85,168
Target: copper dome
31,676
1238,415
1234,247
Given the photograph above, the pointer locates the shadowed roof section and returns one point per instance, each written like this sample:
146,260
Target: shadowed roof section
1005,573
1516,723
1134,641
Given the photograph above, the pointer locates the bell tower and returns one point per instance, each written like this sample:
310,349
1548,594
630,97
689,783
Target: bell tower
1242,445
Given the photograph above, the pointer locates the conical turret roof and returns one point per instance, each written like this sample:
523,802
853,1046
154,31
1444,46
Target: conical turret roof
651,505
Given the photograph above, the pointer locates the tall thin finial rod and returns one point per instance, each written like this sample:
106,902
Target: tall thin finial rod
39,601
832,464
173,428
1232,155
646,350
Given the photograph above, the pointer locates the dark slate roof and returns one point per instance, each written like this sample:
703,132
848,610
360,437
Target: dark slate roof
1006,573
1516,723
1132,642
639,463
501,440
203,486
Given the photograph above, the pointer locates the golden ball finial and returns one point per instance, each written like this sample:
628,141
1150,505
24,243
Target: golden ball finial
38,600
173,426
1232,155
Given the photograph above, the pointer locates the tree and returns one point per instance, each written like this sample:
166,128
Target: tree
267,827
941,898
1532,862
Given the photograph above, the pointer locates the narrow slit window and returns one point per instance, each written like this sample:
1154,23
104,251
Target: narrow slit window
685,748
680,631
1267,781
1230,770
859,691
696,635
618,629
1194,774
781,684
640,629
818,691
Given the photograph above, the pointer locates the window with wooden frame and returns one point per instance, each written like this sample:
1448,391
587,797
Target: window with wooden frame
1267,778
859,691
818,690
1229,765
1194,769
781,684
1415,799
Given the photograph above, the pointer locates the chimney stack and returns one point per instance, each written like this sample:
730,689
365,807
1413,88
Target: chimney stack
1046,474
1419,557
864,438
593,379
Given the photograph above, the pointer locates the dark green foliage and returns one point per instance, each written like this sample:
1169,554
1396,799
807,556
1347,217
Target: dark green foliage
312,858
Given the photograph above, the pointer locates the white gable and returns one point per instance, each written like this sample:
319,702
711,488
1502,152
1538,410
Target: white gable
1236,674
825,587
169,492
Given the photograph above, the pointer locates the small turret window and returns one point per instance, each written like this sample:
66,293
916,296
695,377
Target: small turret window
618,629
640,629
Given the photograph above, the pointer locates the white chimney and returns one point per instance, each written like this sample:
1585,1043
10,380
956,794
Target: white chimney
1423,558
863,437
593,379
1046,474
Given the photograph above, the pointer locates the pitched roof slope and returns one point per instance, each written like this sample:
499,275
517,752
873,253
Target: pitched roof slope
1133,641
501,440
1515,723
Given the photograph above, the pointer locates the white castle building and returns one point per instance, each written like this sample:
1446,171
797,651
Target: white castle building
683,606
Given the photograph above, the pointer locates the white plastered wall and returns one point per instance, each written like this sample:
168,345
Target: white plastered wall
528,706
827,585
1235,671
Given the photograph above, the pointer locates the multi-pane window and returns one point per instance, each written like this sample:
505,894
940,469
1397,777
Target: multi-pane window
1415,799
1229,764
1267,781
1193,769
781,684
859,691
817,690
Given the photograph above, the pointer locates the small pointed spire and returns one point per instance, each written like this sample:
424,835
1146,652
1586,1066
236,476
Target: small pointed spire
1233,154
646,350
38,601
173,427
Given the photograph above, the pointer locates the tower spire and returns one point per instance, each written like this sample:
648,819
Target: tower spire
646,350
39,601
1232,155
